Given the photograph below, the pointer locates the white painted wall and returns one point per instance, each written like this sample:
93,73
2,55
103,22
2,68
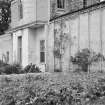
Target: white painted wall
6,46
30,45
50,48
33,10
25,47
35,35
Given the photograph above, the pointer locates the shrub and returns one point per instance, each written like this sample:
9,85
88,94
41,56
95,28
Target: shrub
82,59
85,57
12,69
9,100
31,68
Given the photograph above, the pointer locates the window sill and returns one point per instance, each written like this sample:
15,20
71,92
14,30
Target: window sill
60,9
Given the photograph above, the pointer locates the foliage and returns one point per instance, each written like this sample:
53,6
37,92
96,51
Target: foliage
85,57
17,69
12,69
61,42
53,89
5,15
57,53
82,59
31,68
9,68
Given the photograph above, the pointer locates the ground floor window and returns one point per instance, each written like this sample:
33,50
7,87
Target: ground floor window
20,49
42,51
7,53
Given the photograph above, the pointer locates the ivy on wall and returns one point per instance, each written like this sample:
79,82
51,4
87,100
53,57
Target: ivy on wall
61,41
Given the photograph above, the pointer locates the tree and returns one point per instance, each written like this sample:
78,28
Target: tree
5,15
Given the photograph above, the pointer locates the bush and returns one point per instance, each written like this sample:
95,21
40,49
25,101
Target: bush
63,96
85,57
10,69
31,68
82,59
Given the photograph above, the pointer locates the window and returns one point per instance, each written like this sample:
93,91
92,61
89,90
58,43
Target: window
61,4
42,51
7,53
20,49
20,6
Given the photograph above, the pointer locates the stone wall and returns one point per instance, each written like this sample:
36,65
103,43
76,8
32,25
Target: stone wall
80,30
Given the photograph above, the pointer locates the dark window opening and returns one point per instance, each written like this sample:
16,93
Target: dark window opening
84,3
42,57
42,51
61,4
7,56
20,9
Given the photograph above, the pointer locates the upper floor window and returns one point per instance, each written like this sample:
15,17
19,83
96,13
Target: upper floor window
61,4
84,3
20,9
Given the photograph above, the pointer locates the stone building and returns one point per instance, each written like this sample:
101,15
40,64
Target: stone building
29,20
35,24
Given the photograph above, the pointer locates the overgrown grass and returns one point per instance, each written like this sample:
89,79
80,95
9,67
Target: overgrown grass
52,88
